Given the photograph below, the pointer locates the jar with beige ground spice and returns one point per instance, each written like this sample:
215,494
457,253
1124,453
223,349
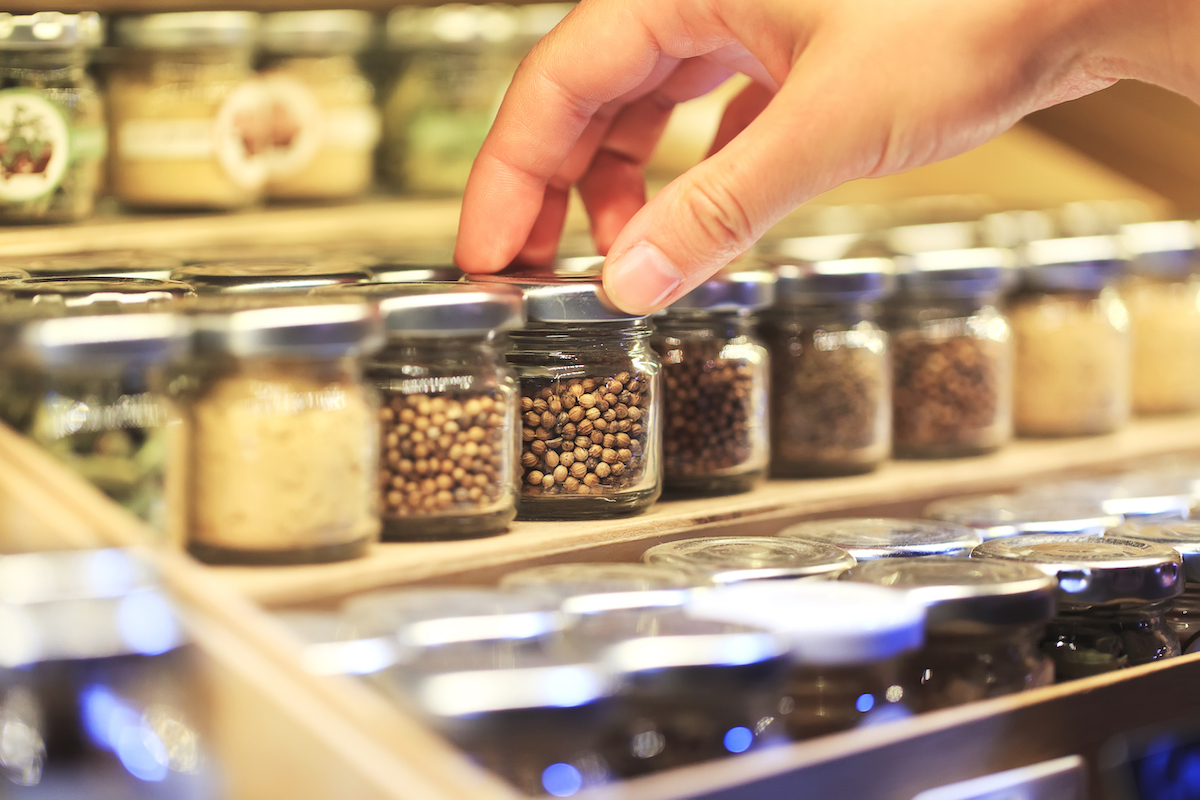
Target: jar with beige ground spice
282,431
590,401
1072,340
951,354
831,411
448,452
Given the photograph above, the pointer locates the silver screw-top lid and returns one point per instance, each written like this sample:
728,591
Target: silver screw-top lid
844,280
1183,536
1081,263
297,326
870,538
87,291
1161,248
1141,497
804,249
1095,570
183,30
997,515
331,646
415,273
116,264
732,559
932,237
975,272
963,594
254,276
567,295
595,587
325,32
12,274
453,26
428,618
438,309
83,604
747,290
50,30
53,337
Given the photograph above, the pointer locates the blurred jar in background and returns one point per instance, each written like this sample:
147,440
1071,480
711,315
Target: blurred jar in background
188,120
52,118
324,126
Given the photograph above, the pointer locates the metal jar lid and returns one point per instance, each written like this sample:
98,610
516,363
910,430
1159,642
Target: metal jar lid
807,249
429,618
732,559
326,32
564,297
824,622
261,276
870,538
952,274
1136,496
87,291
12,274
596,587
116,264
932,237
453,25
87,338
747,290
997,515
1081,263
864,280
393,272
438,309
1095,570
1183,536
50,30
184,30
960,594
1167,249
297,326
331,646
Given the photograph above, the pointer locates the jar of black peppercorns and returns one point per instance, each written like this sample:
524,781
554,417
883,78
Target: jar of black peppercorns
448,448
830,382
589,386
715,385
951,355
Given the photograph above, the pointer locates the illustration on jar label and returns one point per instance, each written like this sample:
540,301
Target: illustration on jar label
296,125
242,135
34,145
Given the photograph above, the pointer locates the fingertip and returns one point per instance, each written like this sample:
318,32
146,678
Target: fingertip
641,280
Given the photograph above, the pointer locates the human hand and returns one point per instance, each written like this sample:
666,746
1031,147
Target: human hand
842,89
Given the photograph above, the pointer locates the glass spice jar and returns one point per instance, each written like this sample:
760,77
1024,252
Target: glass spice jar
1162,293
188,118
590,401
733,559
845,641
951,355
1072,373
282,430
994,516
100,693
268,276
1113,594
1182,536
868,539
53,117
831,409
984,623
323,123
449,447
715,377
89,385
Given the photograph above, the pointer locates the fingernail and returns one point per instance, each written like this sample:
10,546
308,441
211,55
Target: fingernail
641,278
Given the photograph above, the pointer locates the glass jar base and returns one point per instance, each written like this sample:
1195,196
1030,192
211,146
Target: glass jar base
952,450
817,469
343,551
712,485
447,528
587,506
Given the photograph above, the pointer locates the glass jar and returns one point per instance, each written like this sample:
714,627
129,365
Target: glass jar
845,641
282,430
984,622
1112,597
870,538
53,118
1072,374
715,377
951,355
100,693
188,118
88,384
268,276
1182,536
114,264
448,452
1162,294
831,411
993,516
324,125
590,401
733,559
454,65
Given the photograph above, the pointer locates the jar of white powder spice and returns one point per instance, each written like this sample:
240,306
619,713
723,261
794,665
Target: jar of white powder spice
282,430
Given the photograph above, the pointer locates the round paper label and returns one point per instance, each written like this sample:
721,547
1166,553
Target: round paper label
35,144
242,135
296,125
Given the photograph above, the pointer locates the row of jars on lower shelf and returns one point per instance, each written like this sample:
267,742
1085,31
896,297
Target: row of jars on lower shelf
571,675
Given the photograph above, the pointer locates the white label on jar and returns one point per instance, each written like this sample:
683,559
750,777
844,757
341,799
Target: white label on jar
35,145
295,124
165,139
353,127
241,136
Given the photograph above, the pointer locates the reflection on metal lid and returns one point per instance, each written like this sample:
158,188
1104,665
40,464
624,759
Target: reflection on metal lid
870,538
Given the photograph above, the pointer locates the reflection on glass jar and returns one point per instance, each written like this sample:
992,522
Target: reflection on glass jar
870,538
52,117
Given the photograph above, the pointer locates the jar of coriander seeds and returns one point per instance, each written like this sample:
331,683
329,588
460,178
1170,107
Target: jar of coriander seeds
52,116
1183,536
831,410
715,376
449,446
868,539
590,400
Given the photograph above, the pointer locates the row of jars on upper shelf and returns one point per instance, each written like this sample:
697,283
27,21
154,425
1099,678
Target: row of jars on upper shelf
184,121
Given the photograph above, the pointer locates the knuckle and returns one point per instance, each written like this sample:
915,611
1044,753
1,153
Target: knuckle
721,217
